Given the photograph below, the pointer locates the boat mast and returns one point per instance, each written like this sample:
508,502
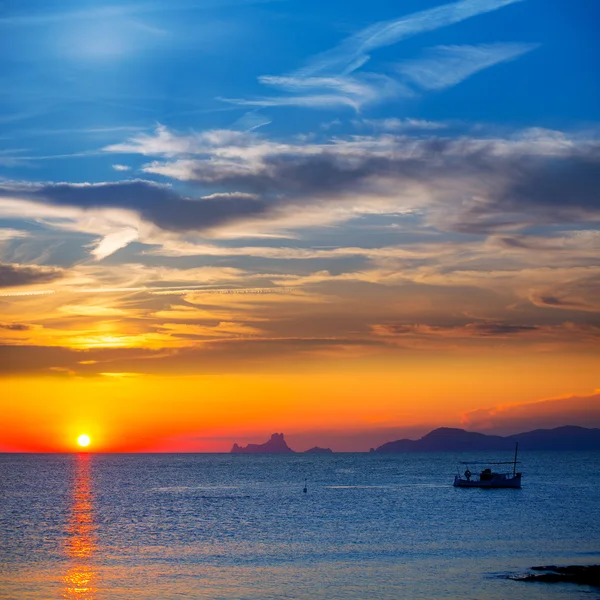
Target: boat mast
515,463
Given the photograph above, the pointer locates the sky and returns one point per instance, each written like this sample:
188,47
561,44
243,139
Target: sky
347,222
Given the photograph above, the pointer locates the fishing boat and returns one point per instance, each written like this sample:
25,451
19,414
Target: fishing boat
488,476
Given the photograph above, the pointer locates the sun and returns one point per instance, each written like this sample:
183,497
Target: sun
84,440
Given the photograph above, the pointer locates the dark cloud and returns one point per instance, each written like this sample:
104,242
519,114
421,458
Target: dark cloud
157,204
577,294
296,175
17,275
15,326
511,185
479,329
233,355
500,328
561,183
555,412
486,332
537,190
473,186
553,301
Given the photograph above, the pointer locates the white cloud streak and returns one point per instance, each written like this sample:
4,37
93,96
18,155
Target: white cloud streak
353,52
447,66
12,234
330,80
114,241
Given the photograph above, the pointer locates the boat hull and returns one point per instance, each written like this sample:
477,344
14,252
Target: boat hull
508,482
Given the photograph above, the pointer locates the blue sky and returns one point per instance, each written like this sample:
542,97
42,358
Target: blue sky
77,76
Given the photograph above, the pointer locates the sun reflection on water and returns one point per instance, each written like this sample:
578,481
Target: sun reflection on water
80,546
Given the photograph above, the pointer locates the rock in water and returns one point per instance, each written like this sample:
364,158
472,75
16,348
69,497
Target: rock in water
276,445
579,574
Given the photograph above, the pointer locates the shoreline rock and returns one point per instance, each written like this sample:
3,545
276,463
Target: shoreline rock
578,574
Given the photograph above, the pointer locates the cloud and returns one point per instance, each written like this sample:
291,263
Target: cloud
12,234
354,51
447,66
575,294
223,354
319,92
17,275
121,168
331,79
15,326
163,142
250,121
467,184
533,177
488,334
98,208
394,124
113,242
581,410
481,329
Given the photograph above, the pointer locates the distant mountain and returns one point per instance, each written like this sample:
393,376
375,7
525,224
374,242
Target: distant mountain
446,439
276,445
318,450
568,437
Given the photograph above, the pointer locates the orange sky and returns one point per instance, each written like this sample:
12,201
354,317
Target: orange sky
349,361
367,402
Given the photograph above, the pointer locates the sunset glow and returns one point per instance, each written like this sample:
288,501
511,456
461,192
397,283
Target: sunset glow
390,228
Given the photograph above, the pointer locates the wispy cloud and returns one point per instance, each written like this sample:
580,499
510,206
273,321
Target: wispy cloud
250,121
353,52
114,241
447,66
394,124
11,234
331,79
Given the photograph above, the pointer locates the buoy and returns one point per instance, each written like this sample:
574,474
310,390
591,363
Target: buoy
305,488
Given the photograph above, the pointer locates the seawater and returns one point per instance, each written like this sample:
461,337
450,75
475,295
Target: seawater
371,526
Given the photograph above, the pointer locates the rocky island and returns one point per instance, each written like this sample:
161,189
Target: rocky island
276,445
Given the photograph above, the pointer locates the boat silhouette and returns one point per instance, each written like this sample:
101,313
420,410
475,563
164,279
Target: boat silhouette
488,477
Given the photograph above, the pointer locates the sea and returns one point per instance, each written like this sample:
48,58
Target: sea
222,526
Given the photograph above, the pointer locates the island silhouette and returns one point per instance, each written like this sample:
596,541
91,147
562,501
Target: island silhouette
319,450
449,439
275,445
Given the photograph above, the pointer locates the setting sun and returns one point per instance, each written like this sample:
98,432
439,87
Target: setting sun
83,440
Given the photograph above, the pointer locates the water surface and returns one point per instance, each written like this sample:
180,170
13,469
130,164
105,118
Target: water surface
238,526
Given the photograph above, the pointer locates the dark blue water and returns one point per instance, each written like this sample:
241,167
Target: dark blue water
239,526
